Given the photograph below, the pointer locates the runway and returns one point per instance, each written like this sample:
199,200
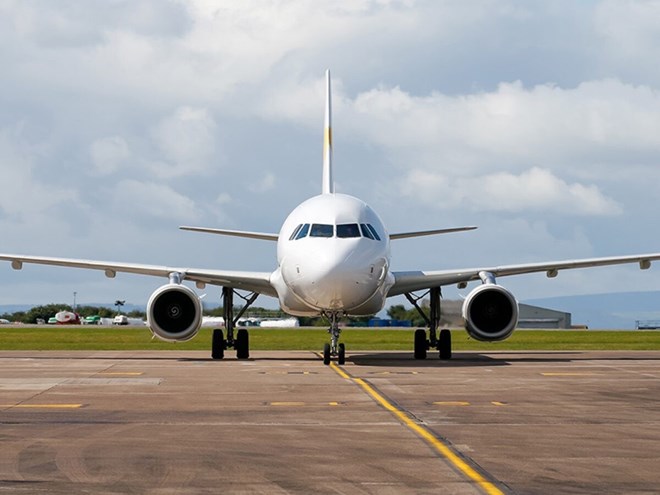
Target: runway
177,422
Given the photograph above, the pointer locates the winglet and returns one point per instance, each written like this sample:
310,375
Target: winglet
328,183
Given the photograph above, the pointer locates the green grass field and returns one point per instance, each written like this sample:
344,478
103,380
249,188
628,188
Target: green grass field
100,338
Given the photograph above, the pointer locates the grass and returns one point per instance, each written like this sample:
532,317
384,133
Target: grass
100,338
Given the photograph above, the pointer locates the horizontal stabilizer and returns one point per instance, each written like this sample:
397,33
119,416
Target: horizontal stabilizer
421,233
236,233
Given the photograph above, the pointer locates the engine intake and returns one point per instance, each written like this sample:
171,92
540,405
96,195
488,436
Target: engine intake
490,312
174,313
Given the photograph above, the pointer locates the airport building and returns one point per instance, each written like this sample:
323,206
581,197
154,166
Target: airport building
537,317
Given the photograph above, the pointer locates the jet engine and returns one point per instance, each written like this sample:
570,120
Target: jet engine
174,313
490,312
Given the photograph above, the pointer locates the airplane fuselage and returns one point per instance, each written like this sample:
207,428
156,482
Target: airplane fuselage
333,255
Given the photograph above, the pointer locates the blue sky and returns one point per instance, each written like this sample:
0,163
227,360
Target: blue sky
537,121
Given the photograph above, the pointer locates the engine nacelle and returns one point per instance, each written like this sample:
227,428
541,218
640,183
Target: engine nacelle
490,312
174,313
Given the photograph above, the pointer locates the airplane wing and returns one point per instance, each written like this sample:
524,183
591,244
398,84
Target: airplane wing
411,281
236,233
420,233
258,282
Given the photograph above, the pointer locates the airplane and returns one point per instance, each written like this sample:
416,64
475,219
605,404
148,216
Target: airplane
333,259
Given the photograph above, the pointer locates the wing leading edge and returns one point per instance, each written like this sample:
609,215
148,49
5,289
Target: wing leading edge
258,282
235,233
410,281
420,233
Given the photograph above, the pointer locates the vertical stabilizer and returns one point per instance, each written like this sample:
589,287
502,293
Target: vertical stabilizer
328,183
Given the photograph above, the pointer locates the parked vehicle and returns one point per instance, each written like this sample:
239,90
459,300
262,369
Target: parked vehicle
66,318
120,320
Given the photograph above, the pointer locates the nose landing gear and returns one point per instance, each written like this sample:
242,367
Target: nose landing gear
334,348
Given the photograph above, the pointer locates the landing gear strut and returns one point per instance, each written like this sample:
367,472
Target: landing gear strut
443,344
242,341
334,348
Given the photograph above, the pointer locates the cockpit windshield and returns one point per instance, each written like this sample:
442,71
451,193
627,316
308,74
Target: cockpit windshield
348,230
373,231
343,231
322,230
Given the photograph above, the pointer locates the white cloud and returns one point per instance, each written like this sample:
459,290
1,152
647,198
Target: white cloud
532,190
513,125
156,201
223,199
266,183
186,142
630,27
109,154
23,196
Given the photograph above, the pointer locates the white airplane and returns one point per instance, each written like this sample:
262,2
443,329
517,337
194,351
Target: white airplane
333,259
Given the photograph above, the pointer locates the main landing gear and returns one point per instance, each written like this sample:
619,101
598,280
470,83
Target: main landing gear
422,344
242,341
334,348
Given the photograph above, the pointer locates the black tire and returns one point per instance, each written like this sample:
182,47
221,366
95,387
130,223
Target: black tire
242,344
445,344
326,353
218,344
420,344
341,355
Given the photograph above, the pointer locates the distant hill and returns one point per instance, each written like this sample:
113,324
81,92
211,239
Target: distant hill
608,311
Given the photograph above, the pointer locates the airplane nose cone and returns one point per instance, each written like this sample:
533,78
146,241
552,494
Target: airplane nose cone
333,282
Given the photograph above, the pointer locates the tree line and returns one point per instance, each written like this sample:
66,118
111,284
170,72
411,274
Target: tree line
44,312
47,311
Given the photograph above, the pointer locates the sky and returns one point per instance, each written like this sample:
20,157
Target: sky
537,121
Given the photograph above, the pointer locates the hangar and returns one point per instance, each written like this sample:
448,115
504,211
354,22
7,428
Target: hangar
537,317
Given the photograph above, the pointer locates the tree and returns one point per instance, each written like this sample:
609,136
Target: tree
42,312
397,312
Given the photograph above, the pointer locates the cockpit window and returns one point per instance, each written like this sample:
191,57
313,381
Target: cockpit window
348,230
366,232
293,235
344,231
304,229
322,230
373,231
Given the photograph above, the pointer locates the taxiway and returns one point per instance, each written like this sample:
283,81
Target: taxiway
282,422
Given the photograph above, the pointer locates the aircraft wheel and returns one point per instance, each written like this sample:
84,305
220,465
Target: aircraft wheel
420,344
326,353
242,344
445,344
341,355
218,344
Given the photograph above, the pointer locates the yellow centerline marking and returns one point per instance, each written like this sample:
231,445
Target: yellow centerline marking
41,406
444,450
287,403
340,371
498,403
